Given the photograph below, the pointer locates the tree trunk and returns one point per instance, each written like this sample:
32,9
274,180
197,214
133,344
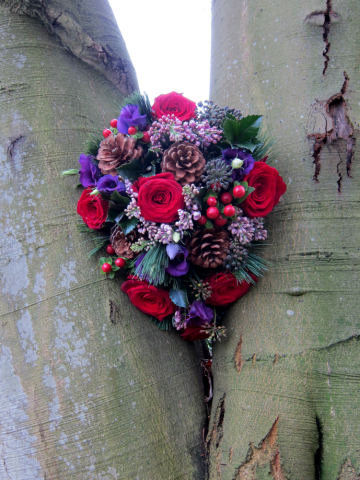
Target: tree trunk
286,402
89,388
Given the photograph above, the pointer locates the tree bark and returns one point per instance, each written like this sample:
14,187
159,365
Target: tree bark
286,401
89,388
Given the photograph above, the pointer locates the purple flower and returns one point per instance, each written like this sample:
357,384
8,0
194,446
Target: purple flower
239,173
177,265
109,184
200,314
130,117
89,173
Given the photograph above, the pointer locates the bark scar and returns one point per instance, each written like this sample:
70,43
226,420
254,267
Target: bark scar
331,117
266,453
347,471
12,146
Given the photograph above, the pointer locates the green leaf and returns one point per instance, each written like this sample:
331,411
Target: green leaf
117,198
73,171
111,216
247,193
111,274
138,135
151,172
115,268
128,224
133,170
246,144
208,224
179,297
102,261
109,260
241,131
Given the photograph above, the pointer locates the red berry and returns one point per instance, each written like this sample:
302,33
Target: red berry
106,267
226,198
110,250
239,191
132,130
106,132
113,123
211,201
202,220
229,211
212,186
212,212
146,138
120,262
220,221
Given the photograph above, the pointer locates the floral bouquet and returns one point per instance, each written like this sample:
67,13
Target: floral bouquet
176,193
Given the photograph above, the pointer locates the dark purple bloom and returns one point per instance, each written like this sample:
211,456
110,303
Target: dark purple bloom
109,184
130,117
239,173
200,314
178,265
89,173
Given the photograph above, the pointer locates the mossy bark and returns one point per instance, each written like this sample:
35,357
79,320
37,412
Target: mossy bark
89,387
286,402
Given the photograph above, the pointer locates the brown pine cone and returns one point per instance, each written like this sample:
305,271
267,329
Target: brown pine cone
208,248
115,151
185,161
122,243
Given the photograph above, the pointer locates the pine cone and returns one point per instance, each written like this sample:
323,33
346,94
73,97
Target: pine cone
122,243
117,150
185,161
208,248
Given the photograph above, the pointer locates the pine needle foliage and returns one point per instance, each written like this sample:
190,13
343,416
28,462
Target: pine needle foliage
165,324
265,149
152,266
92,145
100,241
253,264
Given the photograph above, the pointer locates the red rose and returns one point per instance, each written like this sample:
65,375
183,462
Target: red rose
147,298
174,103
93,209
269,187
226,289
193,333
160,198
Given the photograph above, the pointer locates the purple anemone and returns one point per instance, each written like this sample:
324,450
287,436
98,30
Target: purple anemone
239,173
89,173
200,314
130,117
109,184
177,265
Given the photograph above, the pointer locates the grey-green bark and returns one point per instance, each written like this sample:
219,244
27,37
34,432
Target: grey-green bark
286,380
88,387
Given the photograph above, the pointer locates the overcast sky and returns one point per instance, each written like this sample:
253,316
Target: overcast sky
169,44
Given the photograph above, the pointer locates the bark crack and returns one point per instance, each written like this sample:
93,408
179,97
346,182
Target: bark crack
215,436
237,356
326,27
337,125
267,453
117,69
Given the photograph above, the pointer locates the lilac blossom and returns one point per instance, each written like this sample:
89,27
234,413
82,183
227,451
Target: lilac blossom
238,173
89,173
185,222
109,184
200,314
179,320
130,117
178,265
169,128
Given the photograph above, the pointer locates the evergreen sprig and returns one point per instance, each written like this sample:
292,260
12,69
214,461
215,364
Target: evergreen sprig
99,240
252,264
152,266
165,324
92,145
